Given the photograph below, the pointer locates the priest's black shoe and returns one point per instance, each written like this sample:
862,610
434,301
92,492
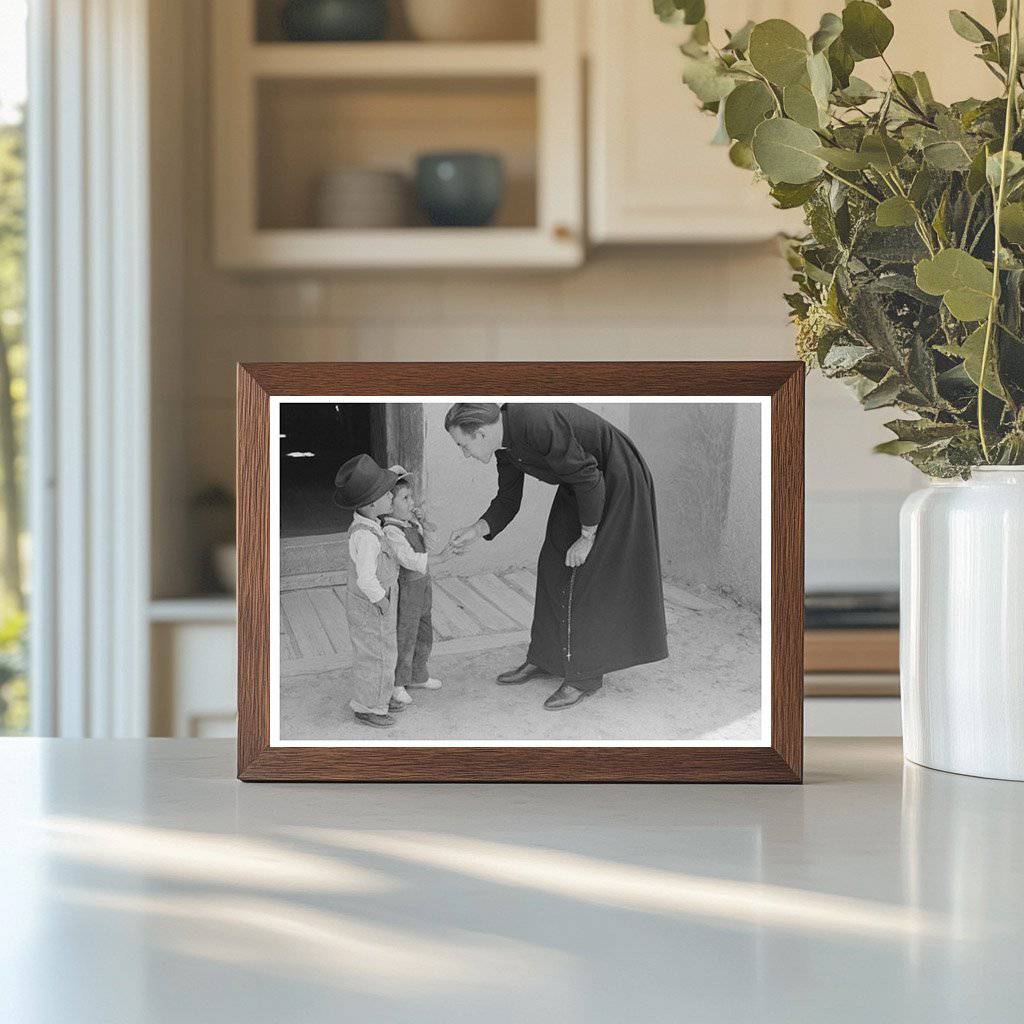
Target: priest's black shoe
567,694
523,674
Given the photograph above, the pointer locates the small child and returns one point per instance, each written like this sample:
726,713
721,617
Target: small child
406,529
371,598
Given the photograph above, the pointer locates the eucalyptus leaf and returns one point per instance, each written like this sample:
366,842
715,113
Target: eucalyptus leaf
721,136
883,395
786,151
896,211
947,156
788,196
745,108
857,91
779,51
800,105
969,28
866,29
819,75
922,185
923,431
841,62
708,80
829,29
689,12
976,173
741,155
739,41
963,281
924,88
971,351
993,166
883,152
845,159
895,447
1011,225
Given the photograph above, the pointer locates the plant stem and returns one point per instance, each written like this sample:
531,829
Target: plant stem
1011,107
907,99
853,185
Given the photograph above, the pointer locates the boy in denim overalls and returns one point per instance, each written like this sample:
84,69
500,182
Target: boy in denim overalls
405,529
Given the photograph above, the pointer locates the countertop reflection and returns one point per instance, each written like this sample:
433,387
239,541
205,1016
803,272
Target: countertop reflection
140,882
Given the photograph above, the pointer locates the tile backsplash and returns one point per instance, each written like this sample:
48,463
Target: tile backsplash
709,303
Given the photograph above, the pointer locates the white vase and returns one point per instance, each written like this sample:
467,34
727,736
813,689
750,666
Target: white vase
962,624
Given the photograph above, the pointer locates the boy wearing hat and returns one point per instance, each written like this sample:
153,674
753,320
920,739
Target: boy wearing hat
371,598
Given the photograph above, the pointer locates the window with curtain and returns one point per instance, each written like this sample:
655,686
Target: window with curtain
14,539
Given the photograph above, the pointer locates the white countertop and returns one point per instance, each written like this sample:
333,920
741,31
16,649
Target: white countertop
140,882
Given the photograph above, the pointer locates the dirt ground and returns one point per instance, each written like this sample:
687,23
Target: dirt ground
709,688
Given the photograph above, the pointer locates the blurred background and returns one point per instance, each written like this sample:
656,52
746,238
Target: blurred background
361,180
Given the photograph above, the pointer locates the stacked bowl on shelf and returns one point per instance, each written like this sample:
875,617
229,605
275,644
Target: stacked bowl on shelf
465,21
452,189
362,197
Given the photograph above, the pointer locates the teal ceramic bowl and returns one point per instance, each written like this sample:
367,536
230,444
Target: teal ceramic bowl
460,189
334,21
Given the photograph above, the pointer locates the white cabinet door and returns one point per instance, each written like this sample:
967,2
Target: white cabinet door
654,177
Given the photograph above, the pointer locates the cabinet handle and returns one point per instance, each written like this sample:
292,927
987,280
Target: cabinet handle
562,232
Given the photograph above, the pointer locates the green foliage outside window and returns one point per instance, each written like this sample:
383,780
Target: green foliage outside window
13,413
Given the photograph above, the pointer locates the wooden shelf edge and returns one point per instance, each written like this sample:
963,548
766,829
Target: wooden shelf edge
392,60
202,609
316,248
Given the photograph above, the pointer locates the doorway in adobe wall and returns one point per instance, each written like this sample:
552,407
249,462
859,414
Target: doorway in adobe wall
316,438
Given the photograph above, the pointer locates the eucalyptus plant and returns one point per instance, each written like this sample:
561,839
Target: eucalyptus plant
902,290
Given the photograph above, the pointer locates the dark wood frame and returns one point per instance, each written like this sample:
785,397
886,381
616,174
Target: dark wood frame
780,762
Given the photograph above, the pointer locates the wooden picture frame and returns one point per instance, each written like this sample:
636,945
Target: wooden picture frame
780,760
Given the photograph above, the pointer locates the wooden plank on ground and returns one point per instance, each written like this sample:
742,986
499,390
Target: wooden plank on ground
333,618
311,666
510,601
443,626
304,581
483,642
684,599
525,580
458,620
287,651
305,623
474,604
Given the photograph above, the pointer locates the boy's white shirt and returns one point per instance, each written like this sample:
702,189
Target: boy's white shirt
364,547
407,557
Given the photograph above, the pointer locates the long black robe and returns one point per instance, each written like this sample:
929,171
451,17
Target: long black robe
609,613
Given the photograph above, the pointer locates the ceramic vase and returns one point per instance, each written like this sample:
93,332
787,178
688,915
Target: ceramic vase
962,624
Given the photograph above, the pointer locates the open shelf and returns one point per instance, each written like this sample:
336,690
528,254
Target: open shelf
286,114
308,127
519,24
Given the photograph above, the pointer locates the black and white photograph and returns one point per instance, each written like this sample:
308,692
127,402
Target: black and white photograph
516,571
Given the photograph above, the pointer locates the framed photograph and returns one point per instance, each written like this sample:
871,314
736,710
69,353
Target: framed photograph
578,572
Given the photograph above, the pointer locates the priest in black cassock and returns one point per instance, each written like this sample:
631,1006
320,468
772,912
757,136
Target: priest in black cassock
599,604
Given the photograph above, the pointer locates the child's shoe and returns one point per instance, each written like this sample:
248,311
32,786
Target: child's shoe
400,694
430,684
377,721
396,705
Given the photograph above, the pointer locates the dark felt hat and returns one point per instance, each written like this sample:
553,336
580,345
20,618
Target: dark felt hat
361,482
